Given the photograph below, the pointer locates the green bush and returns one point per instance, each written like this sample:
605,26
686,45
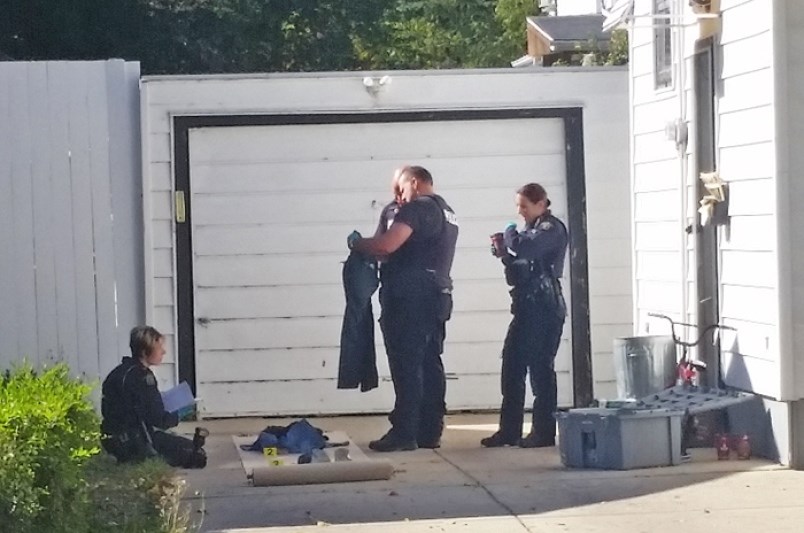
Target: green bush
48,429
52,477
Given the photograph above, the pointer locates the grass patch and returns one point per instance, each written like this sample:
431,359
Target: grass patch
136,498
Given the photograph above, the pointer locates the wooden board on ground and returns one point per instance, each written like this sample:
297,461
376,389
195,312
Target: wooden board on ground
283,469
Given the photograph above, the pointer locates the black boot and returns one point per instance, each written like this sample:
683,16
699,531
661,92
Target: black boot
431,444
392,443
499,439
536,441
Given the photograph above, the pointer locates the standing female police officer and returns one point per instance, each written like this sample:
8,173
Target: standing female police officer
533,266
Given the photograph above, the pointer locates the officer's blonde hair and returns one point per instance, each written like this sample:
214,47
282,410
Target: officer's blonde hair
143,340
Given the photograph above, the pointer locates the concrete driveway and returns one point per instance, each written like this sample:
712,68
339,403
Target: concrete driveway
463,487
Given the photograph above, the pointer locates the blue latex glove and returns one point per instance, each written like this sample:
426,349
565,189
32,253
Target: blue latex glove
353,238
511,225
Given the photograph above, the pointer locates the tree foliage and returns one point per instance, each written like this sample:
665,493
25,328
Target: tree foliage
206,36
439,34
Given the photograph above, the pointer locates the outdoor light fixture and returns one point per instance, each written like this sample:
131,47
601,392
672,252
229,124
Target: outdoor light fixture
374,85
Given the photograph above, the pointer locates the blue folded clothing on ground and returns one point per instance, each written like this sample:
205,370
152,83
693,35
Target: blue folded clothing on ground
298,437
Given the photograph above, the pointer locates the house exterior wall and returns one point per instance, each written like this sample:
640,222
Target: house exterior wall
600,92
747,142
658,203
758,72
70,226
664,188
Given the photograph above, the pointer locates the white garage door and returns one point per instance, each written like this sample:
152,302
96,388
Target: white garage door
271,208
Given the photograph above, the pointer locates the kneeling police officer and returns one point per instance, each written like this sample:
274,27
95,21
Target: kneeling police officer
134,417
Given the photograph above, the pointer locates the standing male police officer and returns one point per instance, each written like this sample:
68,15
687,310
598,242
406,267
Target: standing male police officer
416,303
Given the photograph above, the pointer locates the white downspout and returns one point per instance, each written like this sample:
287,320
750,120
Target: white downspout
681,79
784,328
636,327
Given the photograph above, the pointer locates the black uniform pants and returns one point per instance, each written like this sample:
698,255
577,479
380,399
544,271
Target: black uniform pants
530,348
176,450
414,332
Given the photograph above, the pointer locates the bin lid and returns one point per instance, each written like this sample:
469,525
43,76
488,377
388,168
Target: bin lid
693,400
619,412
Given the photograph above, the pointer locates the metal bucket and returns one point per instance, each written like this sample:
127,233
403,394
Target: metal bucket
644,365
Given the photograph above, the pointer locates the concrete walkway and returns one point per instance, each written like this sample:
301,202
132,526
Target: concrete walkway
463,487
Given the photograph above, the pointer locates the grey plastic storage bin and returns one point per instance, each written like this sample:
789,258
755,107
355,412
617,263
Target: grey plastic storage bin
644,365
619,439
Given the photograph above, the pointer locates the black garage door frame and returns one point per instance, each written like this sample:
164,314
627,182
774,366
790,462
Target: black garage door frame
576,214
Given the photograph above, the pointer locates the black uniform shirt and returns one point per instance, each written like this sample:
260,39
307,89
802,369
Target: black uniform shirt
431,247
544,241
131,396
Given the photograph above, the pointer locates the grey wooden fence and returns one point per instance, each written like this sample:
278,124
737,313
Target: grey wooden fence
71,273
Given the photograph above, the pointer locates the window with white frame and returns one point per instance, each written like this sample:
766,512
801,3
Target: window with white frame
662,45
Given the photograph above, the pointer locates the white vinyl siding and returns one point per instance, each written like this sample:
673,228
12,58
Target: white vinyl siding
748,264
658,277
664,255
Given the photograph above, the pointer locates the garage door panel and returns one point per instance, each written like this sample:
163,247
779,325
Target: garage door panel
311,397
274,239
302,332
487,355
504,172
465,391
357,207
268,364
482,295
239,177
472,203
271,302
313,332
476,263
375,175
271,207
413,141
475,231
286,208
269,270
322,363
227,299
296,397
